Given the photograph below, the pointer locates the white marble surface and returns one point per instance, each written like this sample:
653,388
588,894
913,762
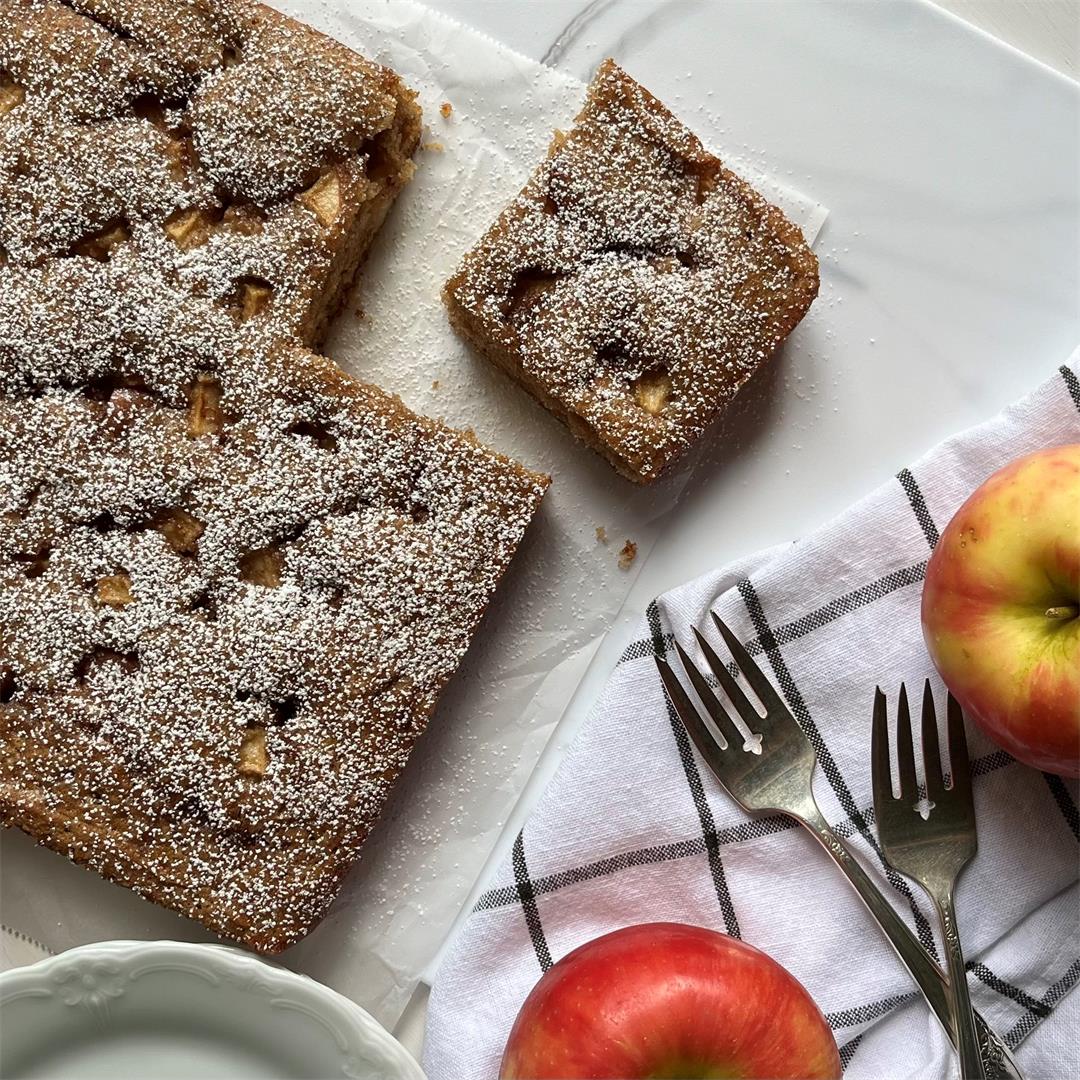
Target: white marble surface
1047,30
949,263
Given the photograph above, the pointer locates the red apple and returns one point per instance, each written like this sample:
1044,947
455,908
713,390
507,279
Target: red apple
1001,608
666,1000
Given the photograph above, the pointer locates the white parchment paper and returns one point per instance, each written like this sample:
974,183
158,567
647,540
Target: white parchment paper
554,606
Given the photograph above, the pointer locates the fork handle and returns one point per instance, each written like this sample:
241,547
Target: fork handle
997,1060
968,1045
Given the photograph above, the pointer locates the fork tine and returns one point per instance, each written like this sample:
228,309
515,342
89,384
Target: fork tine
959,766
743,706
935,781
704,739
751,672
720,716
881,771
905,751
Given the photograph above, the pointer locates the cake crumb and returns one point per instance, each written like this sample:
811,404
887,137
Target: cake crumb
435,384
601,534
434,147
627,555
445,110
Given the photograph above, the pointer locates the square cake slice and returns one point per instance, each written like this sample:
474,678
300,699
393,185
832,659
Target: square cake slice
635,284
233,583
220,143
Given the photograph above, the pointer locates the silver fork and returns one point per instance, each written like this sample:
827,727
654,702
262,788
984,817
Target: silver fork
777,778
931,850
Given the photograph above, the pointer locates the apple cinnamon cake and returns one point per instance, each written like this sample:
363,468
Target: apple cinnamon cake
219,143
233,582
635,284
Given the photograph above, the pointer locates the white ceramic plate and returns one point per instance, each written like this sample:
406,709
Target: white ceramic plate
165,1010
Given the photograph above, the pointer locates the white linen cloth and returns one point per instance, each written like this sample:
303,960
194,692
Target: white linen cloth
634,828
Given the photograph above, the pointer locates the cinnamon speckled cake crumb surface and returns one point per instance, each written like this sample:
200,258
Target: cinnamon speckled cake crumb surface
635,284
233,581
218,143
232,584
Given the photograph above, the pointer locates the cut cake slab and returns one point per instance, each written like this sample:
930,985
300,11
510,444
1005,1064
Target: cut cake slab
233,582
635,284
218,143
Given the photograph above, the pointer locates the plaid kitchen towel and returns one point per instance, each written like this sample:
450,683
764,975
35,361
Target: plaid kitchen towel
634,828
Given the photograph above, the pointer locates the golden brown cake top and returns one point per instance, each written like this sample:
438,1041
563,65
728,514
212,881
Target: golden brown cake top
215,141
635,280
232,584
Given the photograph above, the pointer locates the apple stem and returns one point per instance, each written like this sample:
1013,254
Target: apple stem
1067,611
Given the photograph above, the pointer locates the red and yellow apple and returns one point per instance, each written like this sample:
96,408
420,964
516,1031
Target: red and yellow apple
667,1000
1001,608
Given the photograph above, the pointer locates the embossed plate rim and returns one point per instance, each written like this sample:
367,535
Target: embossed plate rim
361,1044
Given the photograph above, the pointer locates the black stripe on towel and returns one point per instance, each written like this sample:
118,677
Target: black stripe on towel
528,904
918,505
1072,383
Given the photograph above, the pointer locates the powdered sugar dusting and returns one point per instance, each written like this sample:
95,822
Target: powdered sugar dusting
232,581
634,284
140,647
188,137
